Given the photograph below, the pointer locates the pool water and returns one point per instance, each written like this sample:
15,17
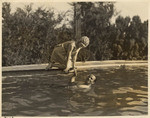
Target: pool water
117,92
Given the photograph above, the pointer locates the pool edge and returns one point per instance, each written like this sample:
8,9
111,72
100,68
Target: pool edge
79,65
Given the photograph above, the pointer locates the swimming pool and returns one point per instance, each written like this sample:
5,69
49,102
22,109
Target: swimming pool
117,92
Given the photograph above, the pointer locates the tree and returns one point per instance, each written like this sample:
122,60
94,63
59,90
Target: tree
130,42
28,37
95,24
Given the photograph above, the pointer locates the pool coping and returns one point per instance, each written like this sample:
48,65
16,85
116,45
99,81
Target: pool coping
79,65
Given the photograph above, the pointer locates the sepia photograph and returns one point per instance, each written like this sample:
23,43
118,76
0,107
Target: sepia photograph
74,58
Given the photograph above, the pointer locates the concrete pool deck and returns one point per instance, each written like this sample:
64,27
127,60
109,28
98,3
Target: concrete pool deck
80,65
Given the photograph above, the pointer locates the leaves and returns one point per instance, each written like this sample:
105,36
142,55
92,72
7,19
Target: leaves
29,36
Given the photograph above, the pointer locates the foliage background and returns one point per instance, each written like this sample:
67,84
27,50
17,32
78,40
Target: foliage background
29,36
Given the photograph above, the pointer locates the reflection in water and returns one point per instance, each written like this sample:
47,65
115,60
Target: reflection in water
45,93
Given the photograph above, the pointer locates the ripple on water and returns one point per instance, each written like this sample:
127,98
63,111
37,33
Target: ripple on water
139,92
53,105
119,98
112,71
145,100
122,90
130,113
30,112
75,104
46,113
140,109
42,108
89,110
92,113
39,98
143,96
129,99
9,93
21,101
102,104
8,106
145,87
9,83
136,103
10,88
65,111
